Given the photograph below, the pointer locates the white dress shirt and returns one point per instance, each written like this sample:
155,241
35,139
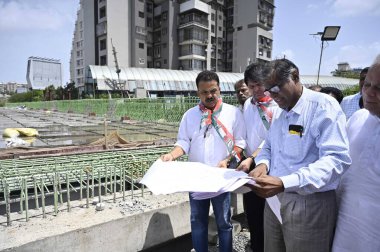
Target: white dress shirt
256,130
205,145
359,190
350,104
314,160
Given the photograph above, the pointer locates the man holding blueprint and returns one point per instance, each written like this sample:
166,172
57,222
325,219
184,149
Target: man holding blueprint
302,160
211,133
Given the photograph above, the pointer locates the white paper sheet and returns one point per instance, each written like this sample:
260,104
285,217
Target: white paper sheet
170,177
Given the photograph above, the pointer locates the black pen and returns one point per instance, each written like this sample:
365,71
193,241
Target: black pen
208,126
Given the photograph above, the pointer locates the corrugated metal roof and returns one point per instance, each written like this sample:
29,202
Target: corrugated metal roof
179,80
328,81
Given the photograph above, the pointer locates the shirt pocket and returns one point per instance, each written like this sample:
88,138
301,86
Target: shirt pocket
292,146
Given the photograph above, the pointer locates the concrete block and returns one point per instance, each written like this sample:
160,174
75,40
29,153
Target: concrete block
237,204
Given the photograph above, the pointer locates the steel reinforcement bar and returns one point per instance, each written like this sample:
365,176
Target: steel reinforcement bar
91,175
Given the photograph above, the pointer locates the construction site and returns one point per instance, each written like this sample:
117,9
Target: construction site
75,184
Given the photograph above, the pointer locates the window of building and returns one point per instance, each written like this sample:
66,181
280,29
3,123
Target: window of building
197,65
220,28
103,60
158,64
141,45
165,61
150,51
261,52
164,15
240,28
149,22
103,44
157,52
102,12
220,17
212,17
261,38
262,17
164,31
213,28
269,54
149,7
141,14
140,30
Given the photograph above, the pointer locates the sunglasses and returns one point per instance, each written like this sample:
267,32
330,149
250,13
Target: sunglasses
273,90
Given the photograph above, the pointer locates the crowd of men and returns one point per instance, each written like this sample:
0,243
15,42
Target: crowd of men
317,156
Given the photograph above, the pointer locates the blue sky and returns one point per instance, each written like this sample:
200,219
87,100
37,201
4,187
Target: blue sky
44,28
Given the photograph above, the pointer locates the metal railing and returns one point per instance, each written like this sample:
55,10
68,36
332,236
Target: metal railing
167,109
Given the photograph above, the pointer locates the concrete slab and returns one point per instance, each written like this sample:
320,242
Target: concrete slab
113,229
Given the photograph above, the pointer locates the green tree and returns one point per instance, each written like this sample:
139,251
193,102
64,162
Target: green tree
49,93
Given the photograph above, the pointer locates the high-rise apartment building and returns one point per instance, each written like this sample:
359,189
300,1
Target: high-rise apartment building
218,35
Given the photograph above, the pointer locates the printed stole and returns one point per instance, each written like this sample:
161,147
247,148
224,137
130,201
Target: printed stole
210,117
262,106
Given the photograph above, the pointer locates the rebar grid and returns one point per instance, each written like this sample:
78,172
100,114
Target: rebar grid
106,173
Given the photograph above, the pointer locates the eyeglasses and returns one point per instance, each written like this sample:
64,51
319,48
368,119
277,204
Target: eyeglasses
273,90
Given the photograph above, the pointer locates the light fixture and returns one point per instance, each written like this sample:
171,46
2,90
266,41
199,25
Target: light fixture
329,34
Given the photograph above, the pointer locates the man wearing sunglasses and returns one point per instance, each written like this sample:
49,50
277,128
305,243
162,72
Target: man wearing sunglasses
350,104
258,112
301,162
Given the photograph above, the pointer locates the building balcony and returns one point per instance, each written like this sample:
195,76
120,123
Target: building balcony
193,19
193,4
191,57
197,41
189,52
101,29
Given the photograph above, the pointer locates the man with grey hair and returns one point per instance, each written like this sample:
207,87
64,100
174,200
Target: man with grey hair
301,162
358,219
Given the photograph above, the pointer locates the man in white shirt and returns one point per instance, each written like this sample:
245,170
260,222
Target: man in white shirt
258,113
302,160
358,219
212,133
350,104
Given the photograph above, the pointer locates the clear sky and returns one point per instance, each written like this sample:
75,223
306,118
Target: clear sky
44,28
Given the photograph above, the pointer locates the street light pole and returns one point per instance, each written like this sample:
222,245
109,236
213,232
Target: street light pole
320,60
329,34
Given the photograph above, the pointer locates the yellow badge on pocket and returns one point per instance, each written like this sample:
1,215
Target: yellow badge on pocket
295,130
